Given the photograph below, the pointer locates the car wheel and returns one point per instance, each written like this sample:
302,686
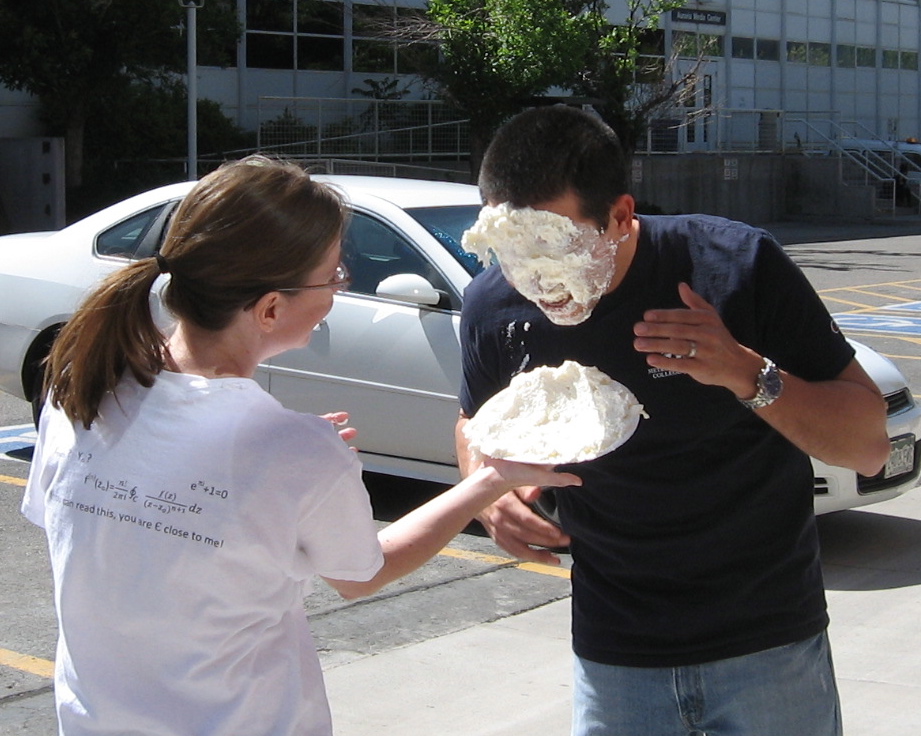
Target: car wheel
38,398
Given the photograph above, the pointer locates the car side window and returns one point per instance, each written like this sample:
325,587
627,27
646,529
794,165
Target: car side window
372,251
137,237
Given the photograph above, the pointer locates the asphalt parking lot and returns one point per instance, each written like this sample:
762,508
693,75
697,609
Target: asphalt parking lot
477,644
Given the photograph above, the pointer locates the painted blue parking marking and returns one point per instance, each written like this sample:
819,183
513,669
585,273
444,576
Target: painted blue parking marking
17,437
889,324
907,307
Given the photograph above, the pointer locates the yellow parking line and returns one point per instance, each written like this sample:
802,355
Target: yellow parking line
882,296
905,284
560,572
859,307
12,481
26,663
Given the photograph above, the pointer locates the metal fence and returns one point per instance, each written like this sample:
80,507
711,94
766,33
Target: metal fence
743,130
366,129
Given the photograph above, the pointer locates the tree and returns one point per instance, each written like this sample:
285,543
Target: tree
73,54
136,140
497,54
626,71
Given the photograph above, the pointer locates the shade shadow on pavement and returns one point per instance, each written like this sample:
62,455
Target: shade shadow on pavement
864,550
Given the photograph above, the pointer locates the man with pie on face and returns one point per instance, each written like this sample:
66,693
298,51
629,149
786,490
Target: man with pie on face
698,604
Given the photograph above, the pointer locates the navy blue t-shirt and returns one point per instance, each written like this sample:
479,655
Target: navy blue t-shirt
695,540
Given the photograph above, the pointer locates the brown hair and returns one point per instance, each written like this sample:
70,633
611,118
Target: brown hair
248,228
540,154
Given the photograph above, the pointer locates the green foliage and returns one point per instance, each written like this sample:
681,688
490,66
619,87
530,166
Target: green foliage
136,140
496,54
382,89
615,70
74,55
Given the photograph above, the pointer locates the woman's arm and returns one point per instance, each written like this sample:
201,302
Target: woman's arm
413,539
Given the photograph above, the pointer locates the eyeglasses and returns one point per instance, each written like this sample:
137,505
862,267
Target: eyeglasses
341,280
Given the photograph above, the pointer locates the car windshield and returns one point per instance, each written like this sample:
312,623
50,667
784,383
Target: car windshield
447,225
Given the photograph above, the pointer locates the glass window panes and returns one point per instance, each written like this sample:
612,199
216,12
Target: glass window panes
320,53
866,56
372,21
373,56
447,225
651,42
767,49
890,59
743,48
847,56
269,51
270,15
684,44
319,16
908,60
124,238
711,45
819,54
372,251
797,52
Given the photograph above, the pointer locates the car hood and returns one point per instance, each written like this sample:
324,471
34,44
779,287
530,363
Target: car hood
885,375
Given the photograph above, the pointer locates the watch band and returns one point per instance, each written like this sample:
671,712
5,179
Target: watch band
770,386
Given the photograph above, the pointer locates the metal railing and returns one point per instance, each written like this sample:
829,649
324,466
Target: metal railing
361,128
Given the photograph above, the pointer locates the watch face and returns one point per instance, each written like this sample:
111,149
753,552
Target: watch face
771,383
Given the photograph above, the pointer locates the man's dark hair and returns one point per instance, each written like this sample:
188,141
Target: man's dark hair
542,153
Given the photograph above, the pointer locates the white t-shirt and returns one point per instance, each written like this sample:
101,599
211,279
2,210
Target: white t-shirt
184,527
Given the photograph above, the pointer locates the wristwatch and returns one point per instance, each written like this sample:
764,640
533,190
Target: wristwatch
770,386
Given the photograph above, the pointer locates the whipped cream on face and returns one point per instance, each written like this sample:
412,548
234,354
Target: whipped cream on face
562,266
558,415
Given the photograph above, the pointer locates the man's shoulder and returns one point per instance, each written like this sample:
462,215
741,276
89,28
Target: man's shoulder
698,227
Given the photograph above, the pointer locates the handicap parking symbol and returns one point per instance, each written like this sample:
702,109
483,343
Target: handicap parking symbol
888,324
17,437
907,307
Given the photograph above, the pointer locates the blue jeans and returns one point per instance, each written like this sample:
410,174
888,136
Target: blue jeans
786,691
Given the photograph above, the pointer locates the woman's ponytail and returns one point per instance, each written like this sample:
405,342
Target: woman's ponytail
113,331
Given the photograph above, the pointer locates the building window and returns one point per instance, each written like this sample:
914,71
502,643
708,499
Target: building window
295,34
684,44
797,52
319,53
819,54
847,56
269,51
767,50
693,45
743,48
890,59
866,56
269,15
908,60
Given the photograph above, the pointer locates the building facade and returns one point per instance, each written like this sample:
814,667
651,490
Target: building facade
852,61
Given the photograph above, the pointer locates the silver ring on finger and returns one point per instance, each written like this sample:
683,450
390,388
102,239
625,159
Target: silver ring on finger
693,351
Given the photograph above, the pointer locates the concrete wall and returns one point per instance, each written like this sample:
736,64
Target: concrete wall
754,188
31,184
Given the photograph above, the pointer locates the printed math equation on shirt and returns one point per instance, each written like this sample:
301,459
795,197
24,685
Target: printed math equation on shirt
188,502
166,502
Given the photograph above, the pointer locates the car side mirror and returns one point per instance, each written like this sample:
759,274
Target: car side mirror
409,287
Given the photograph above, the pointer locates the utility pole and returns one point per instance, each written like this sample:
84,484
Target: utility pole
192,7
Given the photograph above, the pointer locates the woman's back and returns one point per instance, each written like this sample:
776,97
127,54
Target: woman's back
182,526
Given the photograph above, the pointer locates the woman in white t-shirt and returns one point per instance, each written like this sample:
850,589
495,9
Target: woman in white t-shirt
186,510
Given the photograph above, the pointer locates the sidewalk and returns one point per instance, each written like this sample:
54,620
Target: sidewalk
512,676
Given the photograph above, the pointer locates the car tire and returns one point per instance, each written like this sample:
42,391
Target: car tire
38,399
